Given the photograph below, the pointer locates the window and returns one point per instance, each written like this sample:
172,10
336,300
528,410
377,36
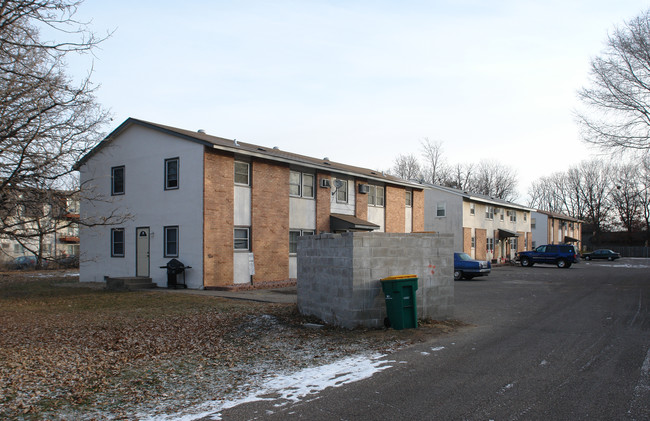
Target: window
409,199
441,209
490,244
171,241
525,216
242,239
534,244
308,185
472,209
171,174
375,195
489,212
117,180
532,223
342,192
242,171
473,242
513,216
294,183
293,239
500,211
301,184
513,243
117,242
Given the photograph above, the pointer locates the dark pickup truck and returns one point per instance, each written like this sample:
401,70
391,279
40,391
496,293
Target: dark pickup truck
562,255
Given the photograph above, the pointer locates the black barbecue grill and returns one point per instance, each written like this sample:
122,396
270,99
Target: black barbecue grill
174,268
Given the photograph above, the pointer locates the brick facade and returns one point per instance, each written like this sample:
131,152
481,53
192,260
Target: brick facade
418,210
481,243
323,206
395,209
361,202
467,240
218,218
270,220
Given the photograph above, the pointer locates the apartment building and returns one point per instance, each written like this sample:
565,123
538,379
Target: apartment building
231,210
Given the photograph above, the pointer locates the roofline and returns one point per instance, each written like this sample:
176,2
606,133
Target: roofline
557,215
234,149
474,197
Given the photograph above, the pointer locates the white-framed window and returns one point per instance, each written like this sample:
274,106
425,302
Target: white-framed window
533,223
293,239
473,242
441,209
171,173
490,244
472,209
525,216
376,196
342,192
117,242
242,239
409,198
242,173
171,241
301,184
512,215
117,180
489,212
513,243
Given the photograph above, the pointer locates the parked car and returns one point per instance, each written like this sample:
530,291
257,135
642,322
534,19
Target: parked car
68,262
23,262
601,254
562,255
468,268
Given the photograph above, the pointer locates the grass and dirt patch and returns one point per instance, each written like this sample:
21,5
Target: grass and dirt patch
69,350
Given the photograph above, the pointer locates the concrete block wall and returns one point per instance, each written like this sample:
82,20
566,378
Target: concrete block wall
338,275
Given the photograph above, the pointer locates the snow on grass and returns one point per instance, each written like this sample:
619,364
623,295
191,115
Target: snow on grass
292,387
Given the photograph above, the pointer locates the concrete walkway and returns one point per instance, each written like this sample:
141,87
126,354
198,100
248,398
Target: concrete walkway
277,295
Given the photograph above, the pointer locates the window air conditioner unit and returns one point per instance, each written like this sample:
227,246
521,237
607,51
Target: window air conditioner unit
364,188
325,182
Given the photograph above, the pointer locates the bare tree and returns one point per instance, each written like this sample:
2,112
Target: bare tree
545,195
434,169
594,190
644,194
495,180
47,121
407,167
626,195
617,113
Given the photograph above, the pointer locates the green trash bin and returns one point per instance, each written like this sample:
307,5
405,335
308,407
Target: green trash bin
401,305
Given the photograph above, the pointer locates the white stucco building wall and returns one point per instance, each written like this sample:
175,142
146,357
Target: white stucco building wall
142,152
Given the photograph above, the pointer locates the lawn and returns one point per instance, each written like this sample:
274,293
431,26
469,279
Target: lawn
70,350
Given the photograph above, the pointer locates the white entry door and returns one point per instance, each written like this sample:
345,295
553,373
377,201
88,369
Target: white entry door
142,244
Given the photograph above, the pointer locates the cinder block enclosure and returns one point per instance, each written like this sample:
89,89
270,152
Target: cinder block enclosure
338,275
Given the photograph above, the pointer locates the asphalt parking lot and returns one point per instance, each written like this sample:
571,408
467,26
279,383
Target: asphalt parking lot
545,343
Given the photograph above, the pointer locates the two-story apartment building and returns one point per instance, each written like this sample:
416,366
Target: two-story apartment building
484,227
555,228
230,210
45,222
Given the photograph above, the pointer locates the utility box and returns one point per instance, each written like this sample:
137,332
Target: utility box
401,305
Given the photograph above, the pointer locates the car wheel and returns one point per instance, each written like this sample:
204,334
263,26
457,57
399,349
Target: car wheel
525,262
587,257
458,275
610,258
561,263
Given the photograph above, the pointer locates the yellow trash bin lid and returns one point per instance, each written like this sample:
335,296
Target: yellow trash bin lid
396,277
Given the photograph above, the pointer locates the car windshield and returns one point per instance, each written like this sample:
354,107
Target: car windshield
464,256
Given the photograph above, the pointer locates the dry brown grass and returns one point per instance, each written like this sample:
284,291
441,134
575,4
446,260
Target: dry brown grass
73,351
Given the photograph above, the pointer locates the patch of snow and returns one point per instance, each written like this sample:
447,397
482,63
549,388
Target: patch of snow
52,274
544,362
293,387
438,348
424,353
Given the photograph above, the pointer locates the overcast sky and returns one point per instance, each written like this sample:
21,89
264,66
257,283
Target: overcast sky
360,81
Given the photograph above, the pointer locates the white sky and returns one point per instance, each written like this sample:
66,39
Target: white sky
360,81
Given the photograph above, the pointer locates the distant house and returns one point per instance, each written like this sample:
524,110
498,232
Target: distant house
45,223
483,227
555,228
231,210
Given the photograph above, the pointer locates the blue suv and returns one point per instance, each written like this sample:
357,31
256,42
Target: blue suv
562,255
